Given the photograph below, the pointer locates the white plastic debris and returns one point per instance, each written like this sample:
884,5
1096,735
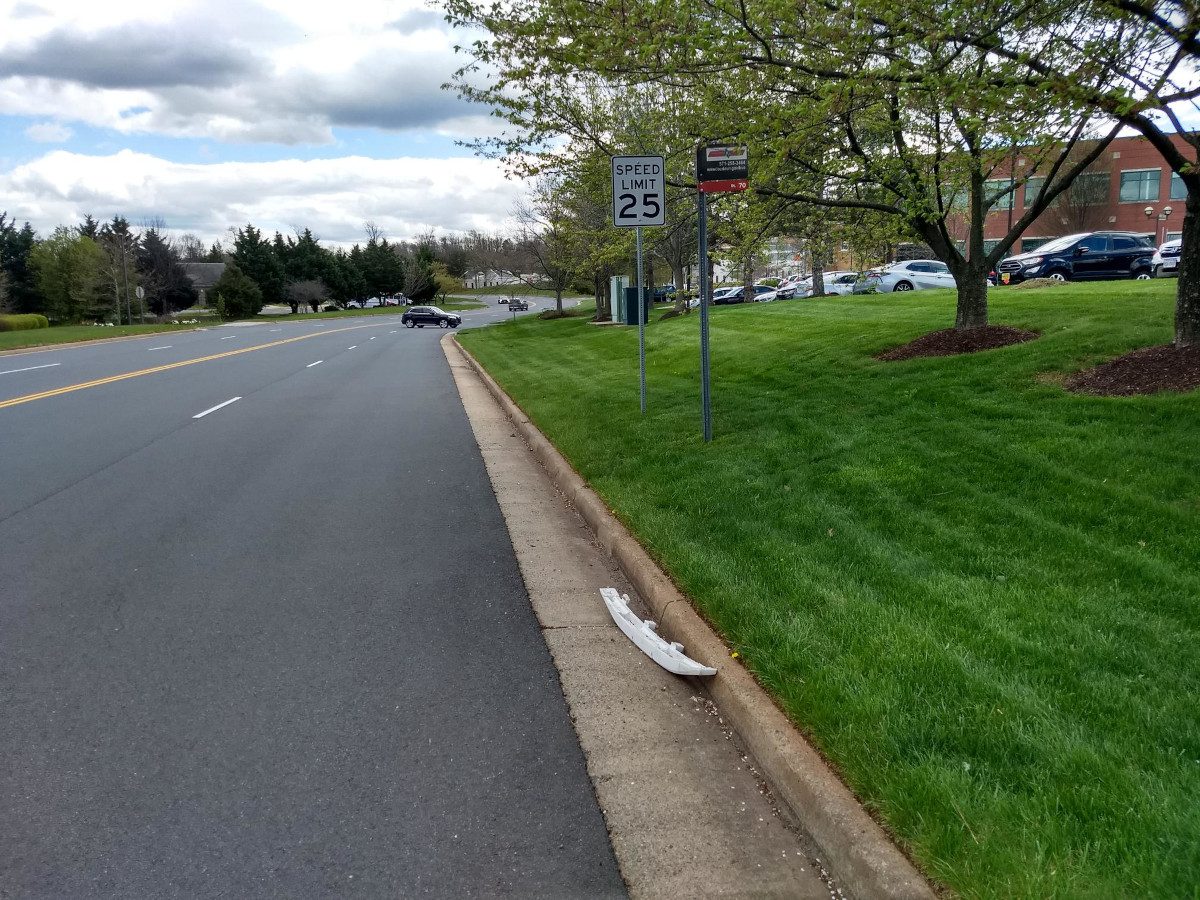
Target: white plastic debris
668,655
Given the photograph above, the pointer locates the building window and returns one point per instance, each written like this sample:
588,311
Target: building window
1033,187
989,245
1028,244
1140,185
954,199
1173,235
1178,188
994,187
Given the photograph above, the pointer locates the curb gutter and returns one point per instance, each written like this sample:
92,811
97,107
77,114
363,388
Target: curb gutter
859,851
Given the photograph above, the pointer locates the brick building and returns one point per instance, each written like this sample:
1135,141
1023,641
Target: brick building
1114,194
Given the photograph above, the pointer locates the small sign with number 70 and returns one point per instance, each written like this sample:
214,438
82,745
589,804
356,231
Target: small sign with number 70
639,191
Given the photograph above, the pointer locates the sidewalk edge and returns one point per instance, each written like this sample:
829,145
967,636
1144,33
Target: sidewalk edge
858,850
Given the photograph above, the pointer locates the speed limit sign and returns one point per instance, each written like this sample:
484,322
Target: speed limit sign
639,191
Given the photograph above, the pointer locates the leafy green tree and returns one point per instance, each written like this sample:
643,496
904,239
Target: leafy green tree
842,114
120,245
238,292
69,269
1133,61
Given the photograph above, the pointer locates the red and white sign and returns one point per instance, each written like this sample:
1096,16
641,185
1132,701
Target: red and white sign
722,169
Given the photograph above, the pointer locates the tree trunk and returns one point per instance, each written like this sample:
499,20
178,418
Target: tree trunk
1187,298
818,276
680,298
972,298
748,294
558,300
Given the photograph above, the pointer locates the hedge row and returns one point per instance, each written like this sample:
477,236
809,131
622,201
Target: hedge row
23,322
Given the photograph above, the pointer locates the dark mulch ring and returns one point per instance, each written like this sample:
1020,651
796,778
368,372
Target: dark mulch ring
1146,371
951,342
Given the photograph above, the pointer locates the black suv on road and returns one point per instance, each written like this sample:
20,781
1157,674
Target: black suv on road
420,316
1079,257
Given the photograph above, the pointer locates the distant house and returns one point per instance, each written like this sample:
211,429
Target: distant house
492,278
203,276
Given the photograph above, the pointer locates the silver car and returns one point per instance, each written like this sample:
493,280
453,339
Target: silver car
837,282
911,275
1166,258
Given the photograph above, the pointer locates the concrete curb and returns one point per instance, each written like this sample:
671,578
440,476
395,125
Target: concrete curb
857,849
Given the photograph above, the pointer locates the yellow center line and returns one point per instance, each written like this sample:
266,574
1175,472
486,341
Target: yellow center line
71,388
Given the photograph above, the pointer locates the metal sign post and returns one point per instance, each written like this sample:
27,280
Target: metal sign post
641,295
639,198
705,392
719,169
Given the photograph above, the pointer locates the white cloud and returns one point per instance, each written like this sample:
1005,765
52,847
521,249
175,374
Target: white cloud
48,132
248,71
333,197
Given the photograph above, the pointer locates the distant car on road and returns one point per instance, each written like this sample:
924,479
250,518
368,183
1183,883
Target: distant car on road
910,275
518,304
1166,258
420,316
1084,257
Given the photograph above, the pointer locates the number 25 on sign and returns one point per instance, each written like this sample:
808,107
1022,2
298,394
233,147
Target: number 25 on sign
639,191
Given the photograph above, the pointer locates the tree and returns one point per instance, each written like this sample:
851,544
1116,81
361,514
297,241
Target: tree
543,231
168,289
844,113
120,246
1147,51
310,293
69,269
16,244
257,260
238,293
420,281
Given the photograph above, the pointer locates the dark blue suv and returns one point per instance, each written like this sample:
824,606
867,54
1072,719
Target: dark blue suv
1080,257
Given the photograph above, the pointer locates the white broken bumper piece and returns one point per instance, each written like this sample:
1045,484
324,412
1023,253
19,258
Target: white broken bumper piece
644,634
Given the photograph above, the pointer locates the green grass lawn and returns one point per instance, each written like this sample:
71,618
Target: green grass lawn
70,334
976,592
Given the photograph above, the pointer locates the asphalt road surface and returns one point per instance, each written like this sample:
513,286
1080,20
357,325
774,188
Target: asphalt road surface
271,645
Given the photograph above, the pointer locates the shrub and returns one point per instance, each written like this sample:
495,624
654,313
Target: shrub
23,322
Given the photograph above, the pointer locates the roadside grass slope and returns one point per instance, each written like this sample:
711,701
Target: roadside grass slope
976,592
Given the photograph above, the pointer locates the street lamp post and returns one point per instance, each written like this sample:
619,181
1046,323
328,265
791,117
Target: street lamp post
1162,218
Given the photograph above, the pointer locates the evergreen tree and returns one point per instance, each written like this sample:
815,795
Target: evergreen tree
257,259
238,293
168,289
15,246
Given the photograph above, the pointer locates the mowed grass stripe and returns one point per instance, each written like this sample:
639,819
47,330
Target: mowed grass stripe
975,591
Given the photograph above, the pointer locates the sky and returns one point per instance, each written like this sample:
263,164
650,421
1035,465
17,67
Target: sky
287,114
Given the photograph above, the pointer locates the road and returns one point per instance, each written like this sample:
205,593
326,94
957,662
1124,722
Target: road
275,645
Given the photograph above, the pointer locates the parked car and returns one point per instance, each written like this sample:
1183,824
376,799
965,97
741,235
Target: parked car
787,288
663,293
502,301
762,294
1166,259
836,282
1079,257
910,275
420,316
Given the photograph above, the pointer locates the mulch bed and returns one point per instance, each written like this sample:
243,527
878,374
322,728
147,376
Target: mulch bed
1146,371
951,342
